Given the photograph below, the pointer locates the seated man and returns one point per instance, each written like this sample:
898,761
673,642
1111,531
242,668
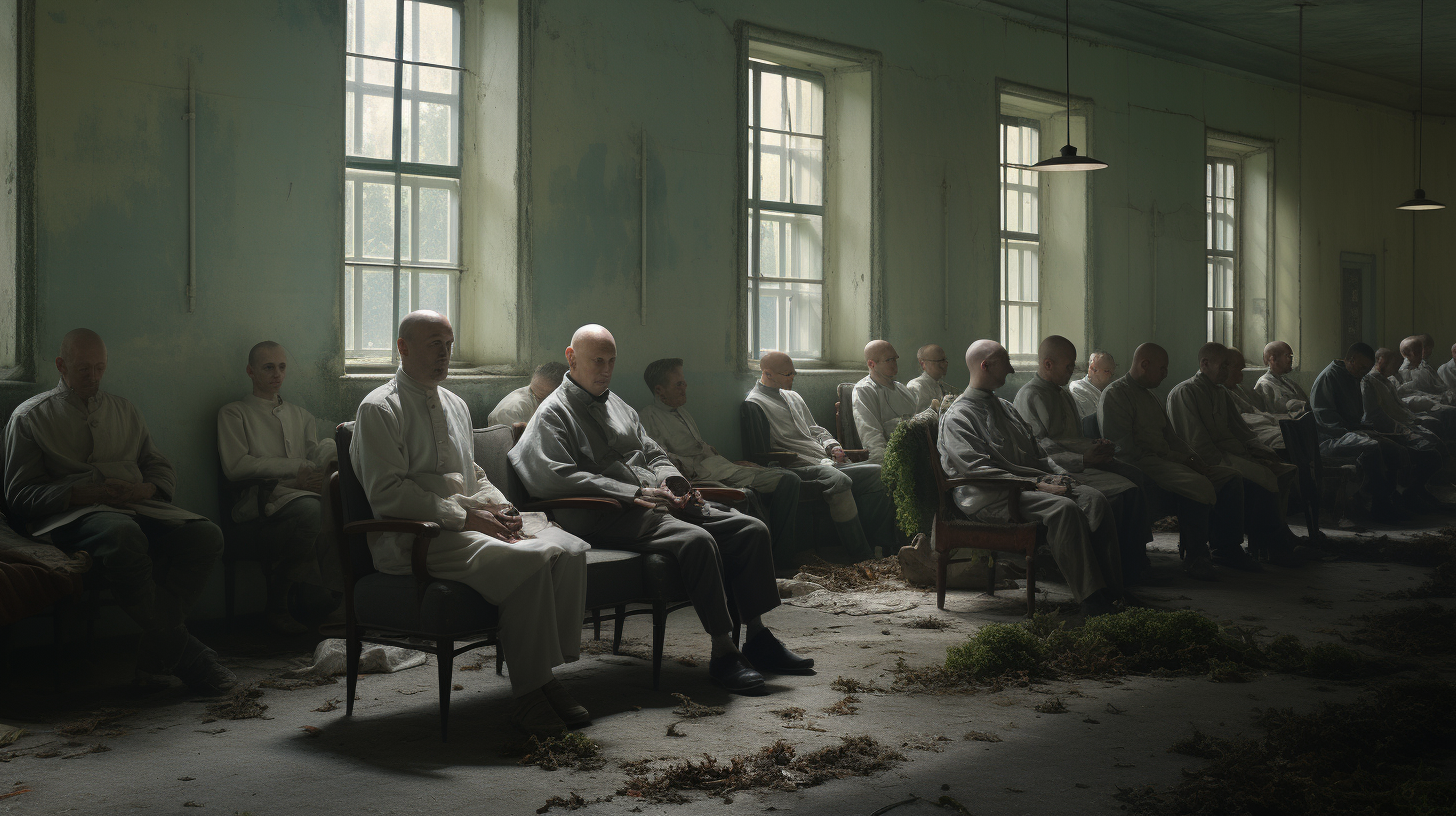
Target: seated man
1088,391
1389,416
1339,411
1051,413
1251,406
80,466
1447,371
520,404
1280,392
1421,388
1209,498
983,438
858,503
1203,415
585,441
263,437
930,385
414,454
667,421
880,403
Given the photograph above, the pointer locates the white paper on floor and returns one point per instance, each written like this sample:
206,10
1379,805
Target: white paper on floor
860,603
328,660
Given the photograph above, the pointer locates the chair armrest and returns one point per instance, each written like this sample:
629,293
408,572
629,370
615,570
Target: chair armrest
573,503
428,529
1012,488
726,495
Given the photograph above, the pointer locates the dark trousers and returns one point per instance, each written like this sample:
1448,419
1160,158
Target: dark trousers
722,554
155,568
289,540
1219,526
1264,518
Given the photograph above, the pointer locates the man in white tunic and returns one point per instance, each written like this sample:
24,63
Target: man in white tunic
667,420
880,403
585,441
80,468
1209,498
1051,413
1251,406
1339,412
930,385
1280,392
1383,408
414,454
520,404
858,503
1447,371
1101,368
983,438
1203,415
264,437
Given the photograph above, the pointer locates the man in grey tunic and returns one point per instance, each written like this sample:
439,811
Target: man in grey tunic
858,504
1087,392
585,441
1209,498
1251,406
414,453
1447,371
983,438
880,403
1280,392
520,404
667,420
1051,413
81,468
1339,412
1203,415
1390,416
930,385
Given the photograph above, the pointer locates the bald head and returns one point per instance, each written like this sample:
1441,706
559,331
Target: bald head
1428,345
1101,368
1213,361
933,361
882,361
1149,365
776,370
1453,352
1279,357
1387,361
1413,350
425,341
591,358
1236,363
1056,360
988,364
82,362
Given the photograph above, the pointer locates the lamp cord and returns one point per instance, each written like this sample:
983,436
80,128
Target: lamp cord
1420,89
1067,40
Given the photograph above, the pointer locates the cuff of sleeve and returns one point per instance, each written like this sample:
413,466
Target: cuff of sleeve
452,516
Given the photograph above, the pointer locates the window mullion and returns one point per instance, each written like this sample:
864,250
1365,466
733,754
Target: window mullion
396,145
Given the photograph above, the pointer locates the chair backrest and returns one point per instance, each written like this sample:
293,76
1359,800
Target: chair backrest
354,554
1301,440
1090,428
491,446
844,429
931,439
753,426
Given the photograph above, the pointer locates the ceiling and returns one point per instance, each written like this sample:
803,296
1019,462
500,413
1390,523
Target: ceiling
1366,49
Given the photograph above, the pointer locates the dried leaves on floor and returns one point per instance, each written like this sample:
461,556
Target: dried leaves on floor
850,685
878,575
240,704
97,722
570,750
690,710
571,801
843,707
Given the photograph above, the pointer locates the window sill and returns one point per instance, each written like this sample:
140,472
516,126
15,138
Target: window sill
382,372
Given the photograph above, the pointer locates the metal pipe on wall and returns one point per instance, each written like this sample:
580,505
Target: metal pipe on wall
642,171
191,117
945,250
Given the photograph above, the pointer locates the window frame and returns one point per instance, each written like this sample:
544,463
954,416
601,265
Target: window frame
407,174
757,206
1211,161
1005,236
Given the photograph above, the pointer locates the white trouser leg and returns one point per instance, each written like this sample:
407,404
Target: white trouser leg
541,622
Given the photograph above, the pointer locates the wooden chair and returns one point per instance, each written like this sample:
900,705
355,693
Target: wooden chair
844,429
241,541
1301,445
954,531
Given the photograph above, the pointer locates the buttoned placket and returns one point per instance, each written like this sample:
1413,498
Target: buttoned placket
439,427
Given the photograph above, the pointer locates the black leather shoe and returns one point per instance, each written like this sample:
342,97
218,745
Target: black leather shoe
733,673
768,654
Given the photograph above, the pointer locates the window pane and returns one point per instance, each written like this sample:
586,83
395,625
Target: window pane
375,321
349,304
350,250
792,169
790,245
371,128
804,101
436,38
771,103
430,115
433,215
375,192
1223,283
371,29
435,292
791,318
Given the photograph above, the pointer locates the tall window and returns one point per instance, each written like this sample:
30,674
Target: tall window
402,178
786,210
1020,235
1221,239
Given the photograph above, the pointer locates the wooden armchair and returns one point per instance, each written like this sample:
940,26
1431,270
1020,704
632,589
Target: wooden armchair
954,531
242,541
844,429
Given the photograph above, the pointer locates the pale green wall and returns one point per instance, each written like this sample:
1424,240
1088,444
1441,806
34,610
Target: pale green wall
111,208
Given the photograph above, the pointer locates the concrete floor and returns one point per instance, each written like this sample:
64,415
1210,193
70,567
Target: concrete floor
388,758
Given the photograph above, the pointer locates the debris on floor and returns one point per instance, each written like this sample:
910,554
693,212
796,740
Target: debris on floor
690,710
96,721
570,750
240,704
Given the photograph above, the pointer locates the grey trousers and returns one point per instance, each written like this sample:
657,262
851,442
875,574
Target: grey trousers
1134,515
722,554
1089,557
855,492
289,540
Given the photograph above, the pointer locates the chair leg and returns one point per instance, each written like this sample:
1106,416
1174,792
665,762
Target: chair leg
596,624
229,590
942,564
500,659
659,635
617,629
353,648
1031,581
445,656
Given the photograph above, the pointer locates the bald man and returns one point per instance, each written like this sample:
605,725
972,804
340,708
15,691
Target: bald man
1208,498
1051,413
1203,415
1280,392
1416,374
263,437
1413,432
1087,392
1251,406
930,385
1339,412
585,441
880,403
520,404
858,505
414,453
1447,371
983,438
80,466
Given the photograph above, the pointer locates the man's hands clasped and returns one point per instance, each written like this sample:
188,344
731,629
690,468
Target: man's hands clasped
115,492
675,493
501,524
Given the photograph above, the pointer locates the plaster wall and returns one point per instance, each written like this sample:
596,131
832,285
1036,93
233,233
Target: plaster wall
111,208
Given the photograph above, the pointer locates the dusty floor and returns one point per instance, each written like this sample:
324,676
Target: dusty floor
388,758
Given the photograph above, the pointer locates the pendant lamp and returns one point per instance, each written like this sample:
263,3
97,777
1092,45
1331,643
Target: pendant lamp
1420,202
1069,160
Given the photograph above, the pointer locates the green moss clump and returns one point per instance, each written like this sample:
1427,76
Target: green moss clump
1333,662
1174,641
994,650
